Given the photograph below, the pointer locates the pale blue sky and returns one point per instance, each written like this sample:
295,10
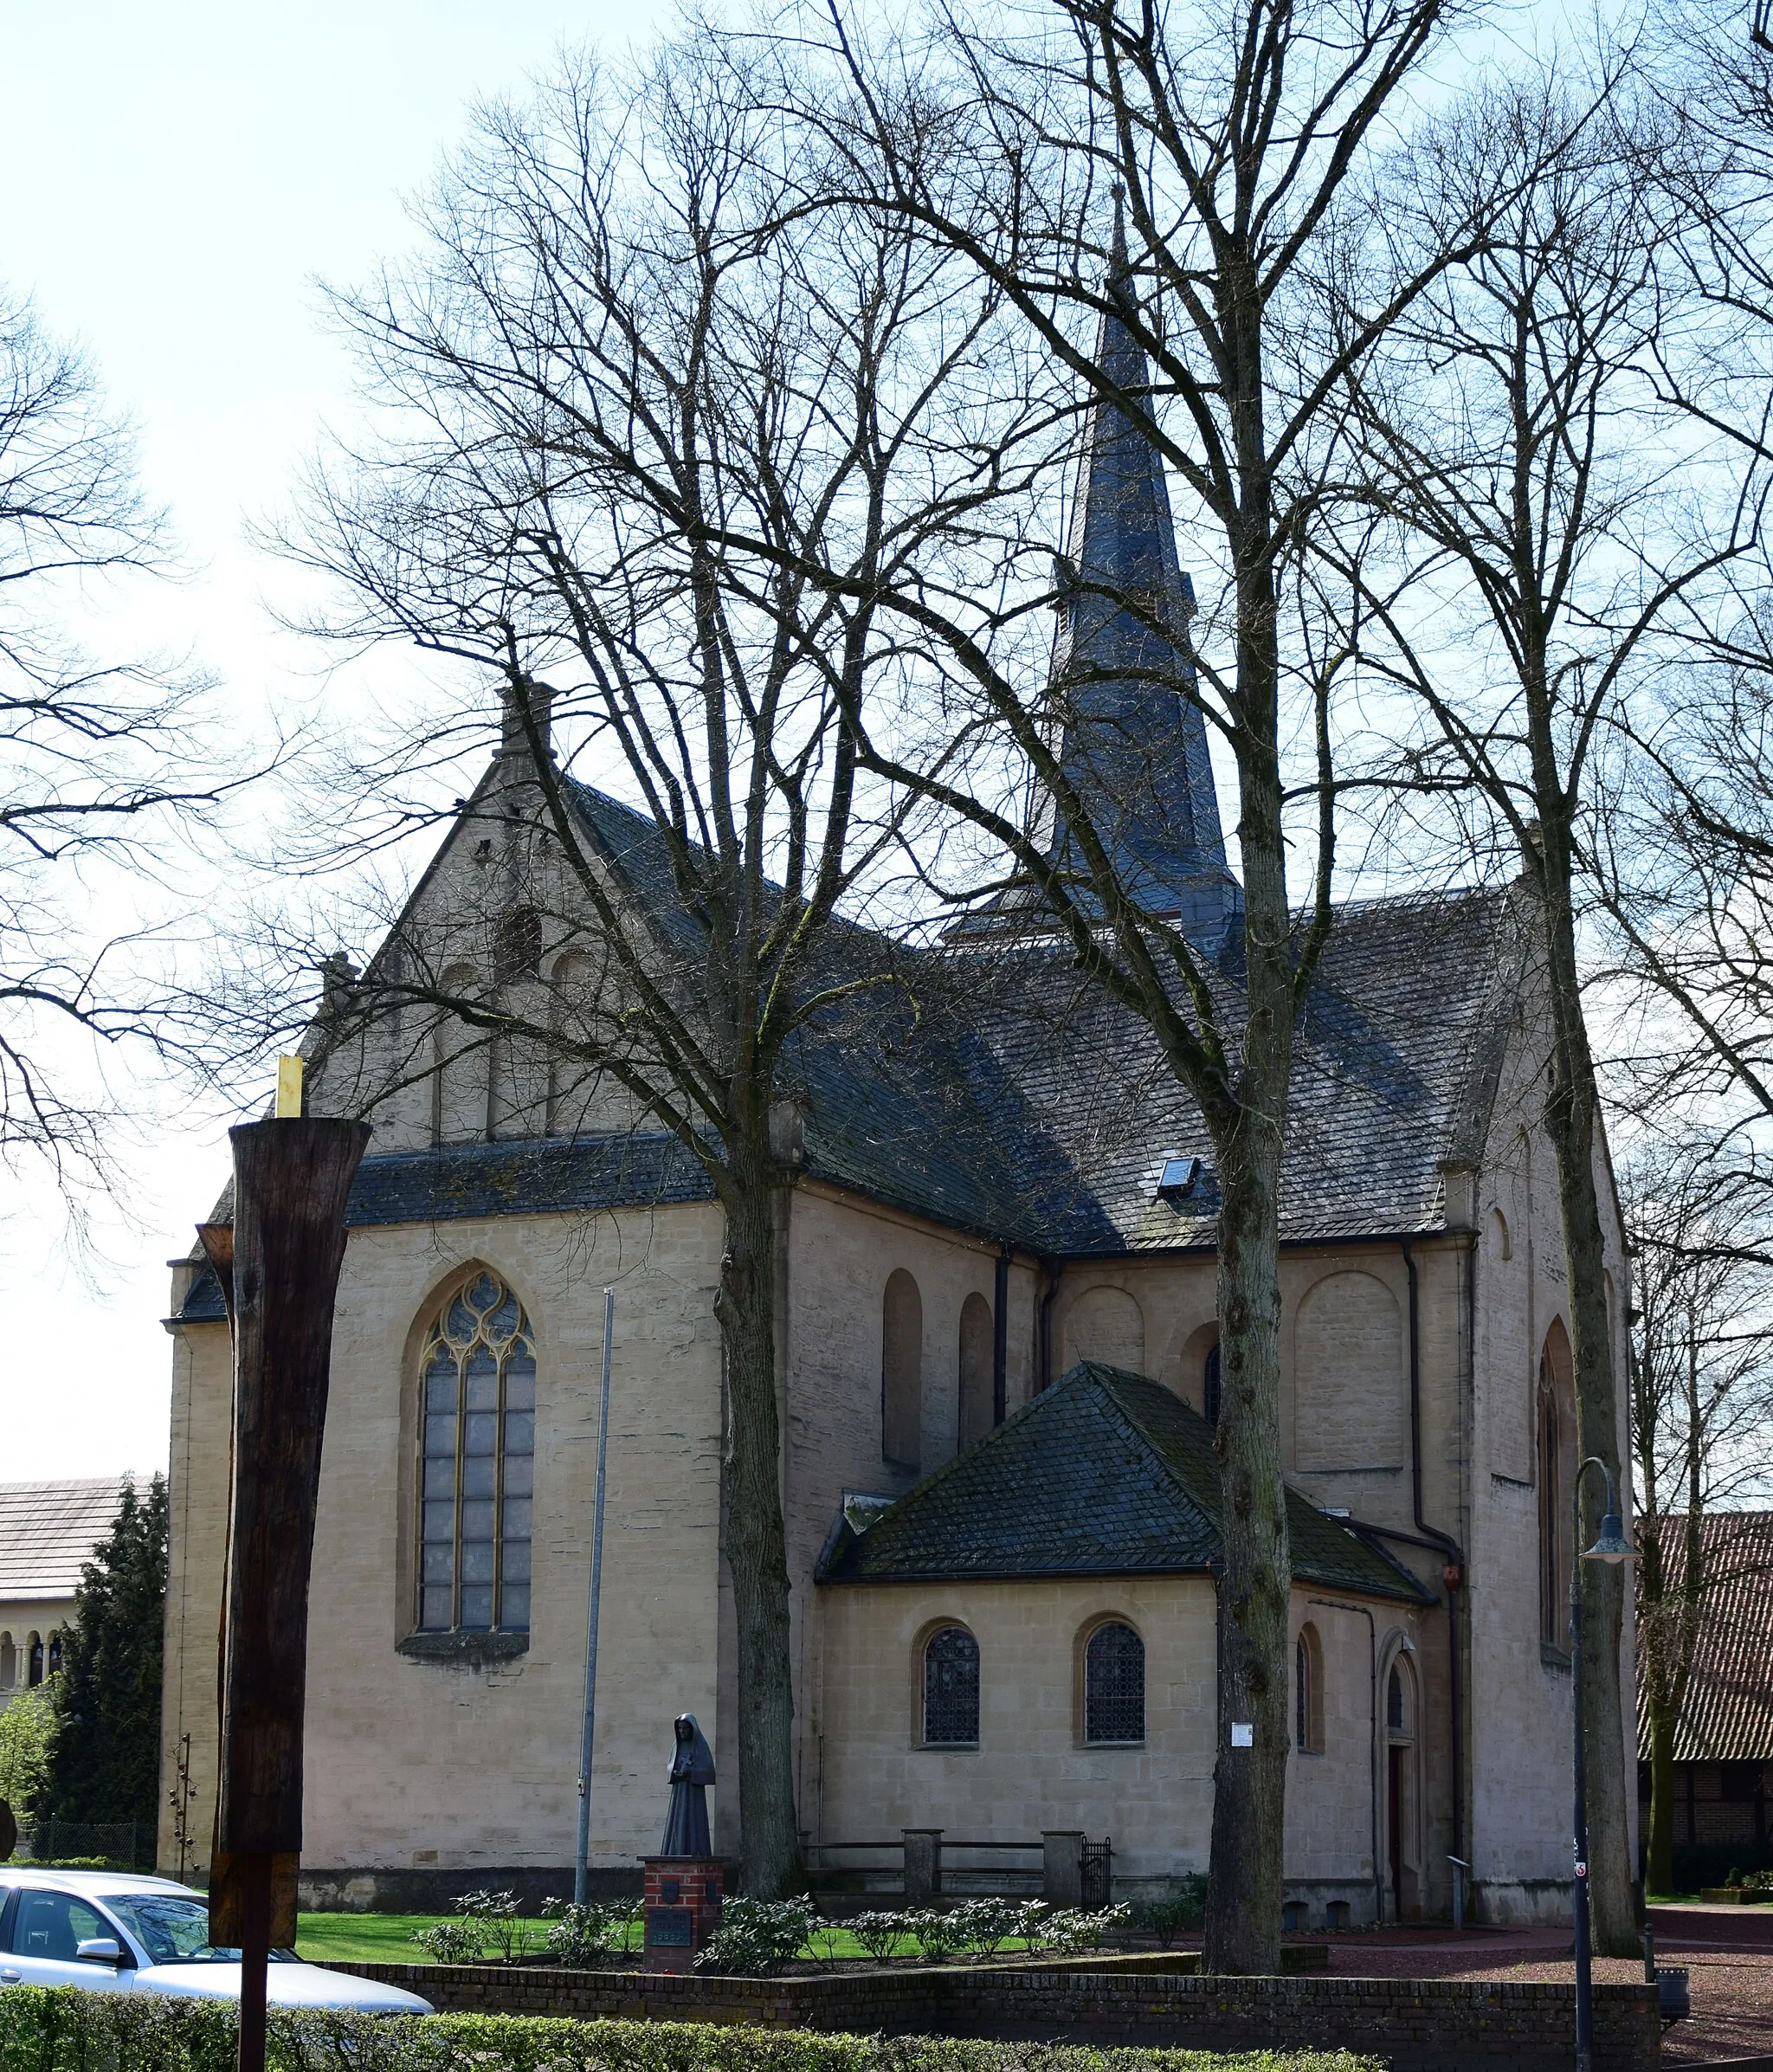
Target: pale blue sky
172,179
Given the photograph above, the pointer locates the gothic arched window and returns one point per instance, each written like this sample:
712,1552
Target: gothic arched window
901,1371
1114,1685
950,1688
477,1448
1308,1691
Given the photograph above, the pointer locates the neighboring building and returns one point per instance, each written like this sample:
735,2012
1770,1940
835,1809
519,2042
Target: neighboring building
1724,1743
48,1531
999,1368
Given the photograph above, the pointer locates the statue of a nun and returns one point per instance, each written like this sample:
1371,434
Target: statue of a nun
692,1772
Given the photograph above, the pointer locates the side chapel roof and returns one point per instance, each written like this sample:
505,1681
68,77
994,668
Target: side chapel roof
1106,1472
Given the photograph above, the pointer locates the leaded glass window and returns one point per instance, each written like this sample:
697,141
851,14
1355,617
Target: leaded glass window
477,1463
951,1689
1114,1685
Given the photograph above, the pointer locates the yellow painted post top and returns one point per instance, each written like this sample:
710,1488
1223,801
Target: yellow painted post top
289,1086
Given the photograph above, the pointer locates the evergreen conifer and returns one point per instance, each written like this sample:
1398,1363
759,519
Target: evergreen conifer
106,1765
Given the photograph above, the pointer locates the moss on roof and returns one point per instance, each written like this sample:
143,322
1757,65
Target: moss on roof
1106,1472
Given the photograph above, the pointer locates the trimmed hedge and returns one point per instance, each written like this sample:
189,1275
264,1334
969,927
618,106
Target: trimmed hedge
64,2029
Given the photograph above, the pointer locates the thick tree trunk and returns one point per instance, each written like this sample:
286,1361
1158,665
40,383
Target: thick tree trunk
1572,1112
1244,1893
1249,1798
769,1862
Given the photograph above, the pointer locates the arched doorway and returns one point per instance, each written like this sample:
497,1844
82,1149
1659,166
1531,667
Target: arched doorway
1402,1798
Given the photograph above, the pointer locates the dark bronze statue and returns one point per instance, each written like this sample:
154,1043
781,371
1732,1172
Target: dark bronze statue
692,1772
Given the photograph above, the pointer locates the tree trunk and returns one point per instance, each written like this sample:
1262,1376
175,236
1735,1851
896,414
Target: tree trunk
1255,1583
1249,1783
770,1863
1659,1871
1572,1109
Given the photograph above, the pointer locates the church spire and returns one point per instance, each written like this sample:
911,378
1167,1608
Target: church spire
1135,745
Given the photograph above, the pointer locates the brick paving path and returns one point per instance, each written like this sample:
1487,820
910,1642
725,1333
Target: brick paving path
1730,1976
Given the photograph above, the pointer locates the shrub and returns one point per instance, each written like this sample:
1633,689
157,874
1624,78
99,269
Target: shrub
451,1942
879,1934
756,1936
499,1920
986,1925
1074,1931
64,2029
938,1934
1185,1908
583,1934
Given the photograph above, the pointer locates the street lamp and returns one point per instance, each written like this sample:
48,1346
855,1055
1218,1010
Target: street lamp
1610,1546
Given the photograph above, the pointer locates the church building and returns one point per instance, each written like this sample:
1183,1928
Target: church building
998,1378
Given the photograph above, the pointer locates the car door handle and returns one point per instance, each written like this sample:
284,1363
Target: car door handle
9,1977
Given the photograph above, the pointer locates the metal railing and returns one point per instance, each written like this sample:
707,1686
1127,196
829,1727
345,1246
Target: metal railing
127,1842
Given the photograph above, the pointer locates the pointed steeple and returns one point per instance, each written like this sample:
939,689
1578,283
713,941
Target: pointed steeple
1135,745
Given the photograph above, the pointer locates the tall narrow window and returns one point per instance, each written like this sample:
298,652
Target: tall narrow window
950,1688
477,1463
976,1404
901,1371
8,1662
1209,1385
34,1660
1308,1691
55,1654
1551,1612
1114,1685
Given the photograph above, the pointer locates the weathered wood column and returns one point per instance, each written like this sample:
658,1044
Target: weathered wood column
279,1269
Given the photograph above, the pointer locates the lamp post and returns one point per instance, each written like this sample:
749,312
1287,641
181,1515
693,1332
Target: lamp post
1610,1546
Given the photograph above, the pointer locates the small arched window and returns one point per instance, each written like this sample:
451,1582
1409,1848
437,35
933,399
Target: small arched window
1399,1713
1308,1691
477,1447
55,1654
34,1660
950,1688
1114,1684
901,1371
976,1380
1209,1385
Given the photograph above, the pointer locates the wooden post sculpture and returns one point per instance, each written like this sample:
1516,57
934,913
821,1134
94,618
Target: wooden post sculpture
278,1269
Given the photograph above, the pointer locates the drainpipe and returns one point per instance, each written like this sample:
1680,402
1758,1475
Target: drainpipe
1453,1569
1000,1338
1043,1377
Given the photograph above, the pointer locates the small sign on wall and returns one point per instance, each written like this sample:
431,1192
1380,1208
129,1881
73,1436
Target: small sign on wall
1243,1733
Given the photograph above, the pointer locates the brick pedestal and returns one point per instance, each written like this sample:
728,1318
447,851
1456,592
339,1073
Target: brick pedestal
682,1903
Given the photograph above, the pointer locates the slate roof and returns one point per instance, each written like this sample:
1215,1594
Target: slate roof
1728,1715
551,1176
1106,1472
48,1531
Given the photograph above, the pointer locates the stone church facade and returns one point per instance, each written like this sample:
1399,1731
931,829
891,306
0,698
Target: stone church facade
999,1364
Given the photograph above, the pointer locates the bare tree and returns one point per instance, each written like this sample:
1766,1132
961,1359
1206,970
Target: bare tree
1511,432
1701,1379
1230,132
626,393
106,772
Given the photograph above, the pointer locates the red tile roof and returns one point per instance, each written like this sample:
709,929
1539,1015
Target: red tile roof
1728,1715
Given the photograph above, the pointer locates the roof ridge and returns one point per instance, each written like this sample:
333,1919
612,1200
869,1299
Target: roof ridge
1214,1524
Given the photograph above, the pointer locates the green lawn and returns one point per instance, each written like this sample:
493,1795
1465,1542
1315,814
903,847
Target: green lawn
386,1938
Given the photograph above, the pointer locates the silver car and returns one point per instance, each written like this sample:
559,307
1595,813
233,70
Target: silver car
114,1934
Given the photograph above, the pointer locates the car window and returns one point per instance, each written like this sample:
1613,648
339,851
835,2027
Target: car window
175,1930
53,1925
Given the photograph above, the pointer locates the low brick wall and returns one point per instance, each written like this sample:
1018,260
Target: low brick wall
1417,2025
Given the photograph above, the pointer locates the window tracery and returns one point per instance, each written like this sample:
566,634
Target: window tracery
950,1688
1114,1684
477,1461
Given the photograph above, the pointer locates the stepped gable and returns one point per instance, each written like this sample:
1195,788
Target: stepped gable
1106,1472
